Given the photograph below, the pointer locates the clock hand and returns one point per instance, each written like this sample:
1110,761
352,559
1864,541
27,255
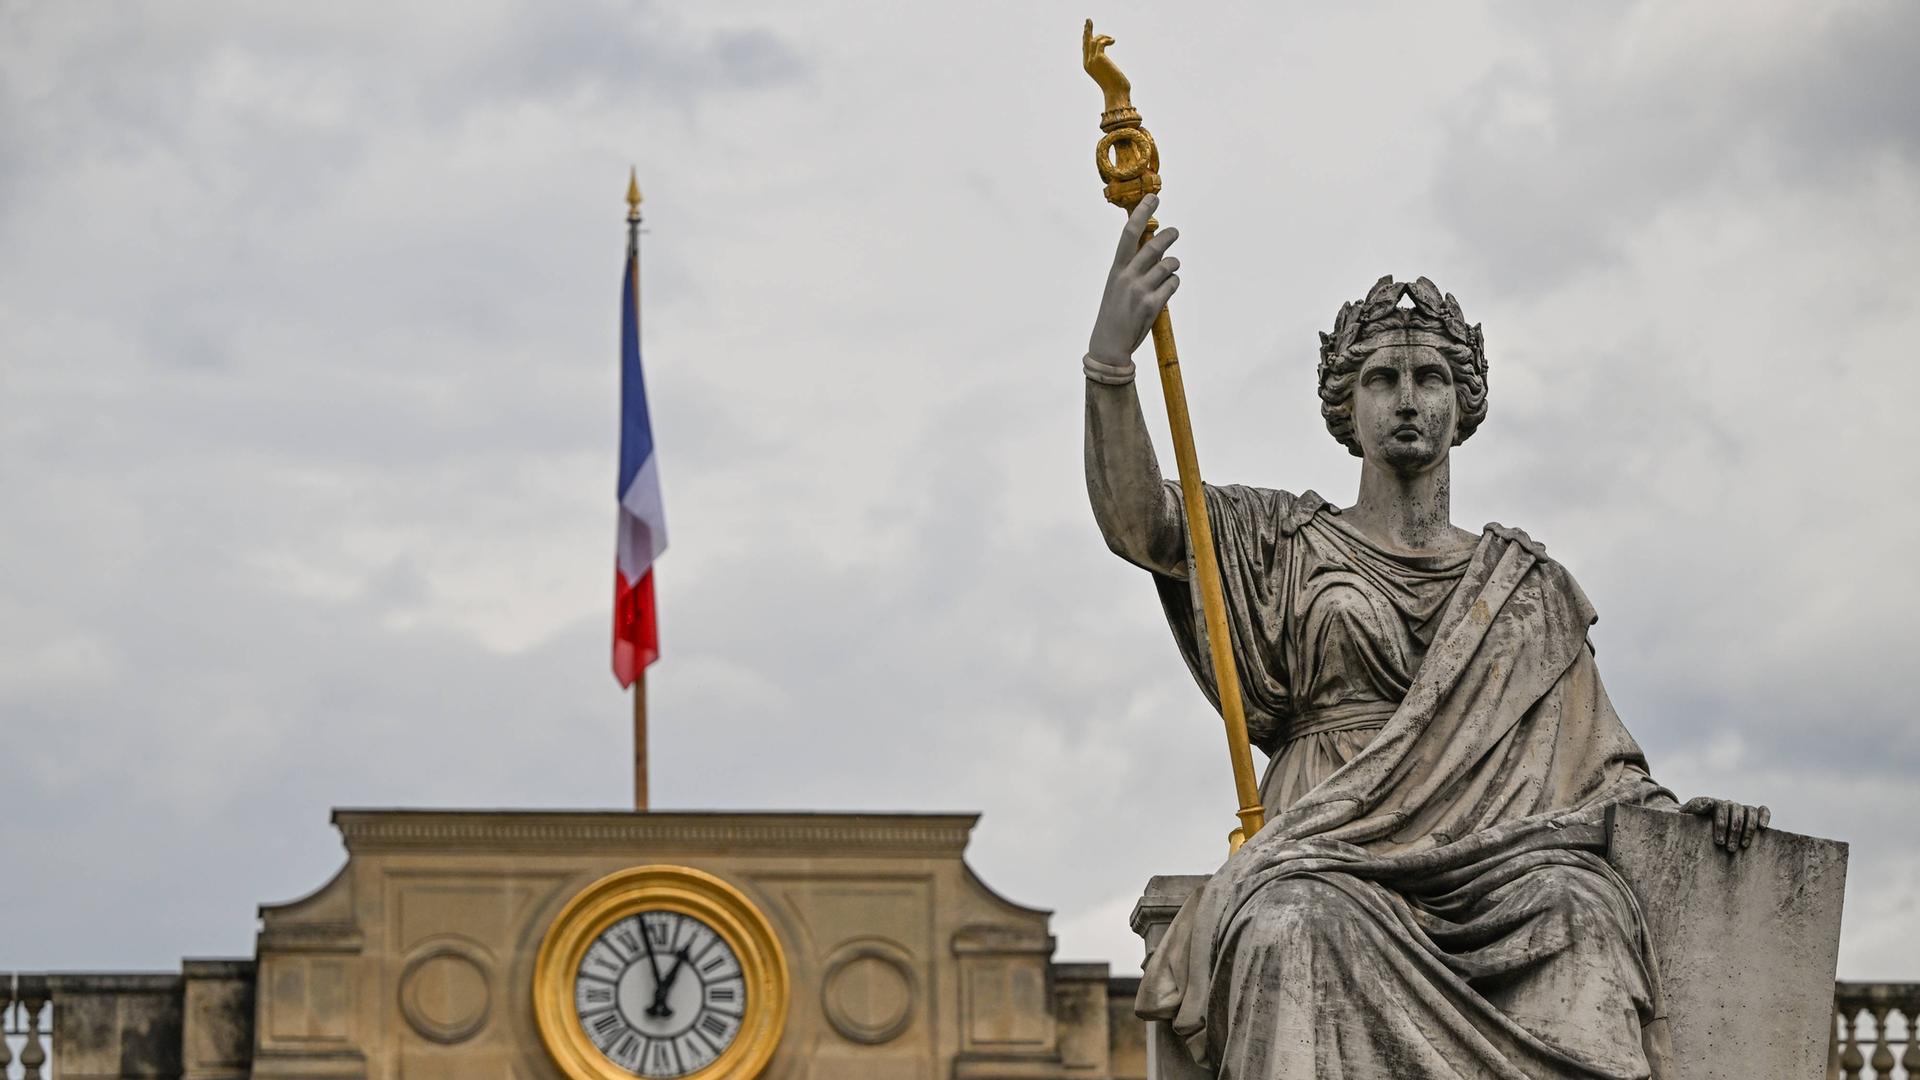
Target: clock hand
659,1006
674,972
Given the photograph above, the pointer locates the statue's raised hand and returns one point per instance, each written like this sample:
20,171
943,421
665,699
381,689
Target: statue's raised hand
1733,823
1139,284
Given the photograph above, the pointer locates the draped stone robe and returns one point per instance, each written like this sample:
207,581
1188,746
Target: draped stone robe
1429,897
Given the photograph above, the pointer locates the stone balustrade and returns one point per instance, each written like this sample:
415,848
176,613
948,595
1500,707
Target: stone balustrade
1874,1028
1874,1024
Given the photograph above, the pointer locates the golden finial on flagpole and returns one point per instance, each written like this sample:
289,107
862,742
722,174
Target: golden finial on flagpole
633,194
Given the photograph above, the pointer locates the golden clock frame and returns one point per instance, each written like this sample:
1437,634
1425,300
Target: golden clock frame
723,908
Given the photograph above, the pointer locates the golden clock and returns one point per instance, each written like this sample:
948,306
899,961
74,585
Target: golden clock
658,972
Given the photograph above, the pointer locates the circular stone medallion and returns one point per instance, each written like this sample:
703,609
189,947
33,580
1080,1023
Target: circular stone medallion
868,993
444,994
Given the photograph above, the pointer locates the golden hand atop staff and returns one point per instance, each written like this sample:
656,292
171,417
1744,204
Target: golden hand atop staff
1133,171
1130,164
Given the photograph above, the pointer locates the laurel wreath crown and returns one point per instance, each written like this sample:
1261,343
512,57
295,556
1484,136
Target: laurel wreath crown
1380,310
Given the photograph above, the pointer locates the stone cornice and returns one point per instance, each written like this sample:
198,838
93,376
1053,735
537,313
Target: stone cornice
798,834
113,982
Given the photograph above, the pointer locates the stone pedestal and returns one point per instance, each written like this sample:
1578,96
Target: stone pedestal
1747,942
1747,945
1167,1057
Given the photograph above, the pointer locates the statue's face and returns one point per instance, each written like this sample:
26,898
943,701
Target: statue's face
1404,407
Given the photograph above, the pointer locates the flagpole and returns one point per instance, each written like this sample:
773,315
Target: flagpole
640,741
640,794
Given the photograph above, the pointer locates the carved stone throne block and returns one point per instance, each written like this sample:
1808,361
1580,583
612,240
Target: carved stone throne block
1747,942
1167,1057
1747,945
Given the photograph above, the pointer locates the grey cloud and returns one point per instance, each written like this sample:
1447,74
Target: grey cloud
306,335
1604,119
615,47
263,114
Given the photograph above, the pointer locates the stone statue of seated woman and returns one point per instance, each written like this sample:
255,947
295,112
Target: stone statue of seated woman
1430,895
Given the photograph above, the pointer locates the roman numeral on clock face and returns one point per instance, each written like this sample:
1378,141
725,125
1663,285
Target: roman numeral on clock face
628,938
660,928
696,1051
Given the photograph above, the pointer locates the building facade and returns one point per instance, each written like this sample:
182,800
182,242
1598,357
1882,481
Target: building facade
490,945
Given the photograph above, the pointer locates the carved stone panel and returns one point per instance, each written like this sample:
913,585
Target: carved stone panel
1007,1024
1747,943
310,999
217,1029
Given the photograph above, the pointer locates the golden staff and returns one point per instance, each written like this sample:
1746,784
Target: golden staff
1130,165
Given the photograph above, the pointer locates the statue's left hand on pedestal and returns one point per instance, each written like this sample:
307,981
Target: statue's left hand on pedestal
1734,824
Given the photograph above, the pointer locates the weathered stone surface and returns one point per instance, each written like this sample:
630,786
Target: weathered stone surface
1126,1033
217,1019
106,1027
1166,1057
1747,943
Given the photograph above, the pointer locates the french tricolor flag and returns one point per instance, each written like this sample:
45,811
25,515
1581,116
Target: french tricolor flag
643,521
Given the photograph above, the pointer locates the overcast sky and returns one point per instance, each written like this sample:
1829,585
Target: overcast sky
308,340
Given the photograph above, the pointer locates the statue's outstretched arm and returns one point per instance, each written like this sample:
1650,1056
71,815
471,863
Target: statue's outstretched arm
1139,518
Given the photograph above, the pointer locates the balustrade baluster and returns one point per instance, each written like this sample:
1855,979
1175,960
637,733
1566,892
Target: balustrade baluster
32,990
1852,1061
6,1016
1882,1053
1910,1061
1833,1045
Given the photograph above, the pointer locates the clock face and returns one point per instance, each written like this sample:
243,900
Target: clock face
660,972
660,994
